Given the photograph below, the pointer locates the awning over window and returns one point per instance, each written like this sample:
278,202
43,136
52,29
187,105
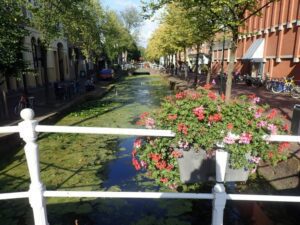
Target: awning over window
256,51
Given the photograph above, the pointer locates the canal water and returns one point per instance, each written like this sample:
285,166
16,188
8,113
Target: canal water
94,162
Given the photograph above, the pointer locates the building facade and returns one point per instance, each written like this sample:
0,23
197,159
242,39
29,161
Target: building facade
58,62
268,45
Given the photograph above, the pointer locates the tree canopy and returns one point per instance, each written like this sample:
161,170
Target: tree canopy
225,15
12,29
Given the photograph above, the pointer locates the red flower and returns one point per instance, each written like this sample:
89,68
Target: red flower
252,96
283,146
161,165
172,116
155,157
201,117
180,95
164,180
285,127
230,126
182,128
215,118
136,164
223,97
144,115
272,114
212,95
207,86
176,154
194,95
169,167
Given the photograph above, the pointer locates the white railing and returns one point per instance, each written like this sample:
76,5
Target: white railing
37,192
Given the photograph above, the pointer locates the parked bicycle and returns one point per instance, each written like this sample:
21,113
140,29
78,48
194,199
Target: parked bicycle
254,81
24,102
287,85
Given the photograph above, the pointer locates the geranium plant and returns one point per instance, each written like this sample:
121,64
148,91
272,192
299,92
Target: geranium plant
201,119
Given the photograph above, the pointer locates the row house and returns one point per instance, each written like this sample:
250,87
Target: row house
268,44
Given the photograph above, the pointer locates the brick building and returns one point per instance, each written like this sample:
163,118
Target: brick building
268,45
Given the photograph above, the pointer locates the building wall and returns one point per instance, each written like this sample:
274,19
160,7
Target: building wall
279,25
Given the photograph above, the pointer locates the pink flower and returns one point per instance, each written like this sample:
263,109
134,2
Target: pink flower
173,186
256,100
230,138
273,128
199,110
255,159
143,164
257,114
262,124
253,170
150,123
137,143
245,138
183,144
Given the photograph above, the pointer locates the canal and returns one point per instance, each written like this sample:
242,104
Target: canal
103,162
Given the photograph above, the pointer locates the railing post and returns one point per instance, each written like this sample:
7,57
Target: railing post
219,192
36,189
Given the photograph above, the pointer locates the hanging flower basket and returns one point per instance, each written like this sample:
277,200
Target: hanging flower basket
196,166
201,119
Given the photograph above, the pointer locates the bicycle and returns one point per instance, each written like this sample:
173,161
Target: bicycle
286,86
23,104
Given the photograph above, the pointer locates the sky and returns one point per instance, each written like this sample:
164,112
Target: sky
148,26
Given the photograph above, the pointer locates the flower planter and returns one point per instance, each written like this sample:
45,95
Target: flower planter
232,175
196,167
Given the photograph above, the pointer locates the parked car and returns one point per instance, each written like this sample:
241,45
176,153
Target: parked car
106,74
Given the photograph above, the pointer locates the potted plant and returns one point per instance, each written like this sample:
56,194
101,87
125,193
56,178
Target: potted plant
201,120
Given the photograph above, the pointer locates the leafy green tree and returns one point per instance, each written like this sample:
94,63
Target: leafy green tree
226,15
13,32
117,39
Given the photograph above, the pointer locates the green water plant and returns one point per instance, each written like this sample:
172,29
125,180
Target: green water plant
200,120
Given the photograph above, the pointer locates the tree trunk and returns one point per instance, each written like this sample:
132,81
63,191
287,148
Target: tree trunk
175,67
197,64
230,69
44,62
5,107
184,54
209,64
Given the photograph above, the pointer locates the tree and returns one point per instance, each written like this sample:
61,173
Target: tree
117,38
13,32
227,16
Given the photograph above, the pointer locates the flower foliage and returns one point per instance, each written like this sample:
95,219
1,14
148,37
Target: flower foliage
201,119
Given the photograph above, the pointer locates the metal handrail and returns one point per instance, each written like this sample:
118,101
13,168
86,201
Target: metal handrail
28,131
